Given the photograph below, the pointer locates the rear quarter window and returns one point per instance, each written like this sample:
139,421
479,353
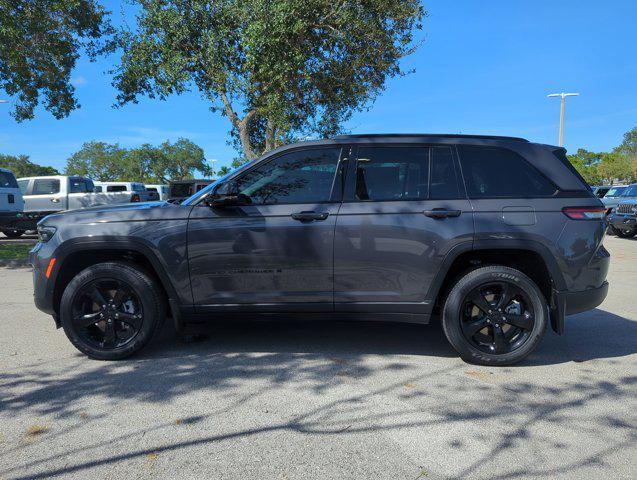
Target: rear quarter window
7,180
493,172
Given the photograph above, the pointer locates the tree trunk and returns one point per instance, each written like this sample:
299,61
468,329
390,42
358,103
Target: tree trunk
270,139
242,126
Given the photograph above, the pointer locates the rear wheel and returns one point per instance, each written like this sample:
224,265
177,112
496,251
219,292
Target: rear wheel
12,233
111,310
495,315
625,233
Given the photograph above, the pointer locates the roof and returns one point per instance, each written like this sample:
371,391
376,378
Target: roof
431,136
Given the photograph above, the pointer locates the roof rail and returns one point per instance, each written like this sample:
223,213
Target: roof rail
440,135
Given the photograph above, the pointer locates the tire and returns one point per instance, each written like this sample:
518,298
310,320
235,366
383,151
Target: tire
611,230
140,308
12,233
625,233
528,307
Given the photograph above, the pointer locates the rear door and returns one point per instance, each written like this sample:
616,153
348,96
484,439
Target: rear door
81,193
277,252
404,210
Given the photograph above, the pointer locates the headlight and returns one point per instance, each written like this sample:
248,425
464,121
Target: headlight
45,233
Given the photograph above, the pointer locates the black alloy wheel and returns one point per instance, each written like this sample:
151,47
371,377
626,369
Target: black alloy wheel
111,310
497,317
107,314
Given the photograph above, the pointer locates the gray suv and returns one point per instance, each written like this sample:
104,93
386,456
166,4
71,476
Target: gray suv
496,236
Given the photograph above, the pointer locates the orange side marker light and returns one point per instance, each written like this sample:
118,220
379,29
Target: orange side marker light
50,267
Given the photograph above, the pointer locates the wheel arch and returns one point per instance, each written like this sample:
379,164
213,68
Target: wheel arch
531,257
77,254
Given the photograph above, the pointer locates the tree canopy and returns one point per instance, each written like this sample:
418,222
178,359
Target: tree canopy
21,166
276,69
149,164
41,41
609,167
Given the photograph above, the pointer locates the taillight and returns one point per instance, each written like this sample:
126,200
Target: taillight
135,198
585,213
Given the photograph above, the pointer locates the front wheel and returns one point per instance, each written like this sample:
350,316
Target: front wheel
109,311
626,233
12,233
495,315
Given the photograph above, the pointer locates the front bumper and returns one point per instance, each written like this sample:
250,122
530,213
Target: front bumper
570,303
623,221
43,288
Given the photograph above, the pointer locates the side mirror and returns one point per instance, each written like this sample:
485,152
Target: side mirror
227,195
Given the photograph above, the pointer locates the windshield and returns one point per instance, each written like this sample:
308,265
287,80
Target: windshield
630,191
615,191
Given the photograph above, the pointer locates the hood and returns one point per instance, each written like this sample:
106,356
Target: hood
145,211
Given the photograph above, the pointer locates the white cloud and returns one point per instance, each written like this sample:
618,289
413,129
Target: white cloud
78,81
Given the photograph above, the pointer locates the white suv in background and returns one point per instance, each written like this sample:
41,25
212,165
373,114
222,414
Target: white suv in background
137,191
11,204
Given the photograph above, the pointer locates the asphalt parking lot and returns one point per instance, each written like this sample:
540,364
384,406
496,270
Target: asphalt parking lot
291,400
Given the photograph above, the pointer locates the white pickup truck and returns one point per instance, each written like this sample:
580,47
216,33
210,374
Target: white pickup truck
46,195
11,204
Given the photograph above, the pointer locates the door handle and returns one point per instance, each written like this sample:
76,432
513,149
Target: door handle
439,213
55,200
309,216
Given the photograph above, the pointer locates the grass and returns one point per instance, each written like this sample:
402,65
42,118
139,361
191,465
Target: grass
19,251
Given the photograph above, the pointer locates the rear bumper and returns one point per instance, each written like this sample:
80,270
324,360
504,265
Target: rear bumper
570,303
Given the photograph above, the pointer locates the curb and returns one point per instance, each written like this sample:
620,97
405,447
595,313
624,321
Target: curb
15,263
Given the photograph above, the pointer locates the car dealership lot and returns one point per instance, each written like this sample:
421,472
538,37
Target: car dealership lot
321,400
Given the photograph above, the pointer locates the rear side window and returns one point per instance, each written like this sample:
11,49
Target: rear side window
23,184
98,189
116,188
7,180
491,172
392,173
444,184
81,185
46,187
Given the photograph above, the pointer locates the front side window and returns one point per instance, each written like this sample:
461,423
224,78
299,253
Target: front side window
392,173
304,176
46,187
116,188
492,172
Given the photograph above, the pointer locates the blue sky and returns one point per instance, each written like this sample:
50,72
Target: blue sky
485,67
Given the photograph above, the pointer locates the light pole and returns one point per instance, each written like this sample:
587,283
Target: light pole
562,107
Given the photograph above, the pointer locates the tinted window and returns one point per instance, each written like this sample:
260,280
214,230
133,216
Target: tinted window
181,190
97,189
23,184
630,191
497,172
138,187
298,177
444,183
392,173
46,187
116,188
7,180
80,185
152,189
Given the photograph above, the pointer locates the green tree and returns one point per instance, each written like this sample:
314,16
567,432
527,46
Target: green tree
99,161
21,166
150,164
41,41
276,69
615,167
586,164
629,144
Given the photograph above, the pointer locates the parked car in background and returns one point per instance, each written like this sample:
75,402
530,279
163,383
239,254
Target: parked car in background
612,196
161,190
623,217
600,190
499,237
52,194
135,191
11,204
182,189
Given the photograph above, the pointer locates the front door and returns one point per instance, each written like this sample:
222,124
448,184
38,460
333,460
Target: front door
276,252
404,210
